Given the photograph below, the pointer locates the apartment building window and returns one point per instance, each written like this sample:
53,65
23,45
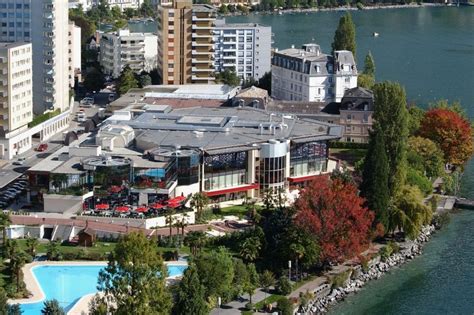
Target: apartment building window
349,117
319,91
366,118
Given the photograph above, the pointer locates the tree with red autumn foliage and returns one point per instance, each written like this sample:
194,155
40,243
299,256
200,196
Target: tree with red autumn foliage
451,132
332,211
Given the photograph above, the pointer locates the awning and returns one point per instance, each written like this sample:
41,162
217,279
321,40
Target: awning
156,205
141,209
231,190
102,206
122,209
301,179
177,199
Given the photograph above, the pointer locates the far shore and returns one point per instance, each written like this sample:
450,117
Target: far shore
344,8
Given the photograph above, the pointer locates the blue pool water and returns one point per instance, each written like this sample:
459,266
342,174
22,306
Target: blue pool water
68,284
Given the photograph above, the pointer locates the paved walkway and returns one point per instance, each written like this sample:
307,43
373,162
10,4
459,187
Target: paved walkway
236,307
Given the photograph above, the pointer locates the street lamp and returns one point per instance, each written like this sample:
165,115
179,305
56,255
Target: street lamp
289,270
219,305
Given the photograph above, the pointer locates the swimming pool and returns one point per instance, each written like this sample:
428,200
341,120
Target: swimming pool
68,283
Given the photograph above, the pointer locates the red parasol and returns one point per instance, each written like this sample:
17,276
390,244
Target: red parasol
122,209
102,206
141,209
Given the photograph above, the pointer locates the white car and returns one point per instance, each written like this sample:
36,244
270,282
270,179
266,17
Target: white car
20,161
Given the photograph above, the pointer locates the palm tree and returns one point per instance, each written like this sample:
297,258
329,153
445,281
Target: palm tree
17,261
199,201
250,248
5,222
195,240
170,219
298,252
52,251
52,307
267,279
31,244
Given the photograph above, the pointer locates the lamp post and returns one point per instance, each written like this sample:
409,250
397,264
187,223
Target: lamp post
219,305
289,270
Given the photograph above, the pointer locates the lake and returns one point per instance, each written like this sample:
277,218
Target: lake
431,52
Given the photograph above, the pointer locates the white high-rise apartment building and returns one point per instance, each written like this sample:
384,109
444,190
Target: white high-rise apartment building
44,23
135,50
309,75
74,43
16,98
244,48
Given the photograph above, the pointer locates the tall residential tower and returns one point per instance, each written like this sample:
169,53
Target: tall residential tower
44,23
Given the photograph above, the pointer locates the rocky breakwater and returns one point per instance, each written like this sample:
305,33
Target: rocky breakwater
376,268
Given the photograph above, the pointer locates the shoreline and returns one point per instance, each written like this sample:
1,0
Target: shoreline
342,9
376,269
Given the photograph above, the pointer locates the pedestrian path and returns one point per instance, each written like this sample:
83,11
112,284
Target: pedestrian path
237,306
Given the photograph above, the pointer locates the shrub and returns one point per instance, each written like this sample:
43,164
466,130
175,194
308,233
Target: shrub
415,178
364,263
347,145
249,306
338,280
385,252
439,220
360,6
394,246
283,286
285,306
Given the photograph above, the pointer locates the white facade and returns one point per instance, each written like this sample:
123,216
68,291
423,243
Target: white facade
122,4
74,53
244,48
86,4
44,24
16,98
308,75
136,50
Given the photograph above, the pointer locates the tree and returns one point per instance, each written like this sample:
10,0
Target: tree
94,80
228,77
52,307
145,79
31,244
190,296
425,156
134,280
451,132
415,116
374,185
252,282
223,9
97,306
369,65
408,212
344,38
454,106
52,250
267,279
265,82
365,81
416,178
216,271
250,249
14,309
126,81
199,201
285,306
392,116
284,285
5,222
17,260
170,219
195,240
87,27
146,9
334,213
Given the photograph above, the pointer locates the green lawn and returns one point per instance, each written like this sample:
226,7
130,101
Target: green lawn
269,300
237,210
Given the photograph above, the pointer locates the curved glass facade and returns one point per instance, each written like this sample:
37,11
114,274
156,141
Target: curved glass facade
308,158
272,172
188,169
225,170
106,176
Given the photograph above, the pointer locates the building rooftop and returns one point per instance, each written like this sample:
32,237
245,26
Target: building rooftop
12,45
220,23
253,92
176,96
222,129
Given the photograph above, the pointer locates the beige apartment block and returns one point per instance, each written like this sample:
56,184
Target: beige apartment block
185,42
16,97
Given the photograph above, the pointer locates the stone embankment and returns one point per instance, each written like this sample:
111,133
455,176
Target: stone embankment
408,251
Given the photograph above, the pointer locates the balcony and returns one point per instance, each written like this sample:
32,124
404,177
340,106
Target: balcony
204,18
201,61
202,52
195,69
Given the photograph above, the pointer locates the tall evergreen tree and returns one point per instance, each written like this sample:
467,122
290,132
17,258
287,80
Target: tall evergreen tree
190,298
52,307
127,81
391,115
369,65
375,177
344,38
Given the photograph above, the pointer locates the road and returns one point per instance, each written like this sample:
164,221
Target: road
9,172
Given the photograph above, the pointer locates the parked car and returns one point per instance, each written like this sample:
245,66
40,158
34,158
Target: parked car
19,161
87,101
42,147
111,97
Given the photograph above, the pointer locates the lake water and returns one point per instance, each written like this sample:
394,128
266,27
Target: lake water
431,52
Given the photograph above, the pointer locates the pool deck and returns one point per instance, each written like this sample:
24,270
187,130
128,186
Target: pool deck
37,294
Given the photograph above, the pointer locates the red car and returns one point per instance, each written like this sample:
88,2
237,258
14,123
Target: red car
42,147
